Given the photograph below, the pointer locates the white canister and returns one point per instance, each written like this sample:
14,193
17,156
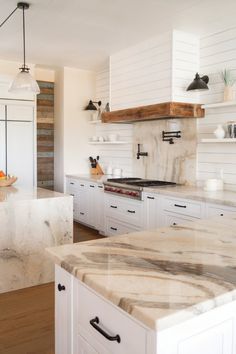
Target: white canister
117,172
214,184
219,132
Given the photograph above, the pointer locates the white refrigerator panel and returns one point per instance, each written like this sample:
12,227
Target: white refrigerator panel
20,152
2,147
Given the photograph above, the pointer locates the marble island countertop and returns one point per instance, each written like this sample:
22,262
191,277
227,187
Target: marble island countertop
10,194
224,197
161,277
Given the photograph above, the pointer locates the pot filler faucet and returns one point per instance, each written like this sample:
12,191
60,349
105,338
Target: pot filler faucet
139,153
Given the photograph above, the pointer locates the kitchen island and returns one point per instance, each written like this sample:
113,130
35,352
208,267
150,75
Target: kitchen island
31,220
166,291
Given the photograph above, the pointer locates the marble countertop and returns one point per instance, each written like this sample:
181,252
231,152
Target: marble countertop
12,194
227,198
160,277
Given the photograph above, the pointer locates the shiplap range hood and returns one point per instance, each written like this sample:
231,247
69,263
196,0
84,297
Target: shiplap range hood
148,81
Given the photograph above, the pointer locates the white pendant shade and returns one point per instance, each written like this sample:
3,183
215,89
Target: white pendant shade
24,82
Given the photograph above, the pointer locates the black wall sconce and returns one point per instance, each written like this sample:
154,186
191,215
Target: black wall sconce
199,83
139,153
91,106
170,136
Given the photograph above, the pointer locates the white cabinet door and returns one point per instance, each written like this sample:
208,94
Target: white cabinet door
100,219
63,311
20,112
92,208
20,151
152,210
82,204
84,347
172,219
3,146
2,112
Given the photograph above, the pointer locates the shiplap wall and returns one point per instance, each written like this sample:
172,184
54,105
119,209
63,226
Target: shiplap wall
217,52
116,156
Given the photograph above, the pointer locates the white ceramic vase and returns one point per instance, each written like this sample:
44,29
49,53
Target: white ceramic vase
228,93
219,132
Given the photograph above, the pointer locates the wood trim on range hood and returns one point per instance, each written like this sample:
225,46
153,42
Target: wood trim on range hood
154,111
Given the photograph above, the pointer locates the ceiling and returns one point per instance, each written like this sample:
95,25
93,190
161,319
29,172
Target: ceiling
83,33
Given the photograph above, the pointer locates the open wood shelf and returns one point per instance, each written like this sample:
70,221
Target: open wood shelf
214,140
219,104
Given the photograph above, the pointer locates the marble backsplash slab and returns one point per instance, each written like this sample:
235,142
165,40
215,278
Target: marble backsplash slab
176,162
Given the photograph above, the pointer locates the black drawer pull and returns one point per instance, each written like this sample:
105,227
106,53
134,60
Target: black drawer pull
100,187
94,323
72,195
150,198
221,214
81,213
81,185
131,211
71,182
113,206
174,223
61,287
113,228
91,186
180,206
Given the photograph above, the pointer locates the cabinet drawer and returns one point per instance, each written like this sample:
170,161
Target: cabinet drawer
215,210
182,206
90,306
171,219
125,210
71,186
114,227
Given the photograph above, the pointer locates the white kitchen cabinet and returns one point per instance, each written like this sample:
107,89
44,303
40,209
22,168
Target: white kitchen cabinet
88,202
79,307
213,210
20,151
152,211
114,227
172,219
63,311
2,146
17,140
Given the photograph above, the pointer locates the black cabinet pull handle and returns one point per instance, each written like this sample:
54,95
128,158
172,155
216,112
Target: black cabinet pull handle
72,195
94,323
180,206
61,287
113,206
150,198
221,214
71,182
113,228
82,185
131,211
174,223
81,213
91,186
100,186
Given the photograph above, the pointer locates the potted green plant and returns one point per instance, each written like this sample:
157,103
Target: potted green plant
229,82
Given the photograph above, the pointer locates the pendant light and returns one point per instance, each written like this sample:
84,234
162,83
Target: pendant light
91,106
23,82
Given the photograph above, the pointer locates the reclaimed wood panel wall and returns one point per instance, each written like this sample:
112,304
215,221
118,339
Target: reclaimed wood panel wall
45,135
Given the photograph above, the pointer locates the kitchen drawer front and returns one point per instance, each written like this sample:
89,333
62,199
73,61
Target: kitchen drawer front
182,206
172,219
71,186
115,227
111,320
219,210
125,210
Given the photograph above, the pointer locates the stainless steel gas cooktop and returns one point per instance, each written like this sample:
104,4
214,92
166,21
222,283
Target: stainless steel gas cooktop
132,187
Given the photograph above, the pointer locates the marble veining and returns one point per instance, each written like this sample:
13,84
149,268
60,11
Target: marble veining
30,221
160,277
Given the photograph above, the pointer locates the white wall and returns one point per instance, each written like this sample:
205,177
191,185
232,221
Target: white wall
217,52
43,74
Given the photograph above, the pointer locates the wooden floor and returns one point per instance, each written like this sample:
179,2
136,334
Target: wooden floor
27,315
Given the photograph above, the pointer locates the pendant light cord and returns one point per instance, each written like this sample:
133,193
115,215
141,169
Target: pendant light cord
8,17
24,66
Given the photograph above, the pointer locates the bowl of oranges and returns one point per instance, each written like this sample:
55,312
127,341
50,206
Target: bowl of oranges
6,181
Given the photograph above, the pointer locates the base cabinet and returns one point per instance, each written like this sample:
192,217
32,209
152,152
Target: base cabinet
77,305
